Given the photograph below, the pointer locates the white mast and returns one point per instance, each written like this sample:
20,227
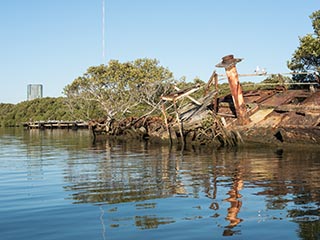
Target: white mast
103,31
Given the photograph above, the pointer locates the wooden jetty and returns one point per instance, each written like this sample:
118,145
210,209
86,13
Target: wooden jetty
55,124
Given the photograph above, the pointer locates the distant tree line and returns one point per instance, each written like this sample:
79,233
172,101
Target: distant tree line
34,110
119,90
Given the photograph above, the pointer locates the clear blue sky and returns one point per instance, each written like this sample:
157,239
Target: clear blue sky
52,42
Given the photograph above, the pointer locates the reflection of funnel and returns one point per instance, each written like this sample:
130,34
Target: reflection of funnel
235,206
180,189
233,212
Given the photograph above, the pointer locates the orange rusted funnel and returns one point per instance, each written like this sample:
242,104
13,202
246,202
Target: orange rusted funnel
229,63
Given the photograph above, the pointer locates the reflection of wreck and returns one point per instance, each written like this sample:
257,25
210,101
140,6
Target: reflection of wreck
265,116
235,203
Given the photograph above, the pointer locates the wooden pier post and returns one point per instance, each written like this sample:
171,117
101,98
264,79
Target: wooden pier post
229,63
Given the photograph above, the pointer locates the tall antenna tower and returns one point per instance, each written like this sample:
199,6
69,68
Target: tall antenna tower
103,32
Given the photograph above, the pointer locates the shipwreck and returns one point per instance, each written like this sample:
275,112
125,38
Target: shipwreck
269,116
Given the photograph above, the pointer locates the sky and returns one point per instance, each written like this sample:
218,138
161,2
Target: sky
52,42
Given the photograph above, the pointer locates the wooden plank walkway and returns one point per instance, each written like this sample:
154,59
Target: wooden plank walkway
55,124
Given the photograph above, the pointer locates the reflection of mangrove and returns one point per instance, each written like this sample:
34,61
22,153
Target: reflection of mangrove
62,139
133,177
310,229
147,172
294,174
41,146
138,171
148,222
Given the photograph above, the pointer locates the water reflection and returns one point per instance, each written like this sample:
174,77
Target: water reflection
140,172
123,175
154,187
235,202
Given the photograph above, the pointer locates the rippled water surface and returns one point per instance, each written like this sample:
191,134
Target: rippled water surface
58,185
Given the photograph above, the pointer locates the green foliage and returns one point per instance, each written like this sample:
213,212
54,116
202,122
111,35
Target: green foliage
35,110
118,89
6,114
275,80
307,55
224,89
182,84
315,17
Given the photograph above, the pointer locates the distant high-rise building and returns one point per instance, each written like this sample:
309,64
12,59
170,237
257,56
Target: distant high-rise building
34,91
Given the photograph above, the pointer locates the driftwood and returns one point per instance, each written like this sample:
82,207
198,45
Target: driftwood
180,94
174,97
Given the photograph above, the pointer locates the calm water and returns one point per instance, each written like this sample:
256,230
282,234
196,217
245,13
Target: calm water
57,185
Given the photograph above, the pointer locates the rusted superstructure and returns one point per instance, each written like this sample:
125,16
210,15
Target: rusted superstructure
284,116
